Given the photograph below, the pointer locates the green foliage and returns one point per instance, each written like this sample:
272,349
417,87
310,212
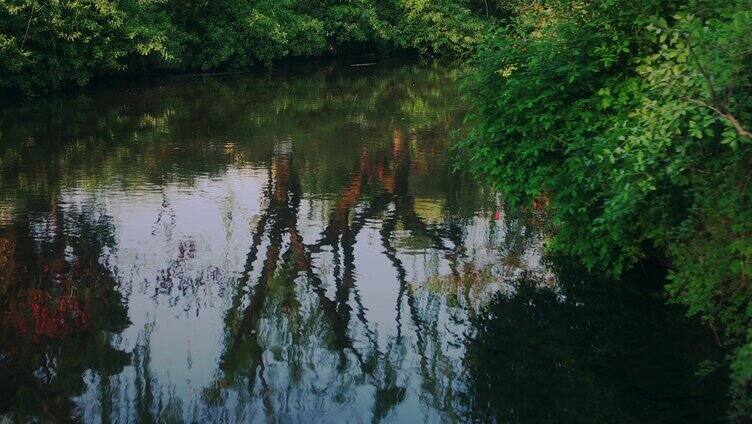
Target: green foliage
437,27
632,118
48,44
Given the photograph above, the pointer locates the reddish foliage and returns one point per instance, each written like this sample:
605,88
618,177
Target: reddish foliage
44,316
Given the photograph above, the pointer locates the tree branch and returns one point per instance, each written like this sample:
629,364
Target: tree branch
724,114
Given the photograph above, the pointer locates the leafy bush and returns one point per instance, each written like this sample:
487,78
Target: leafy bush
440,27
632,120
48,44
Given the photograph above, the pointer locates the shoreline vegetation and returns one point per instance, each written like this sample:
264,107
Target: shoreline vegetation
50,45
628,121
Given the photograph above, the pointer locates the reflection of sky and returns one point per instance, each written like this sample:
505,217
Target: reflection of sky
180,251
185,207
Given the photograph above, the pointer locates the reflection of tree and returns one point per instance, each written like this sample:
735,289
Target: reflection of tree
376,138
594,350
149,403
60,307
379,186
182,129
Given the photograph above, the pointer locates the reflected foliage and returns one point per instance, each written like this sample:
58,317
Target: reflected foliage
61,309
225,121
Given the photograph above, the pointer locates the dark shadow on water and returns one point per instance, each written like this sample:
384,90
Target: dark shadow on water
593,350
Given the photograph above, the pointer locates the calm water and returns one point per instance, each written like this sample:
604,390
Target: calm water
296,249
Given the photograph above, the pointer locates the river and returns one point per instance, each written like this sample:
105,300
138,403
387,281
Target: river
295,247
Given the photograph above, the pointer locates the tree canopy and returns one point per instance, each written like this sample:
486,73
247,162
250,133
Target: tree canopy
49,44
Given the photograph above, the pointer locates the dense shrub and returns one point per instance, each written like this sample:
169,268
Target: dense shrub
440,27
47,44
631,119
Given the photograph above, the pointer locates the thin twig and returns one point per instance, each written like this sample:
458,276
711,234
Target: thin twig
28,24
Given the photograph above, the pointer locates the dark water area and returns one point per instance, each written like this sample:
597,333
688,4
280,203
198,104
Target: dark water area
296,248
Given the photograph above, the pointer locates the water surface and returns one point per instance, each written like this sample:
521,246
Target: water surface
295,248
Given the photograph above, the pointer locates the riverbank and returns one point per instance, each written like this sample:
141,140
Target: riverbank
290,67
50,46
